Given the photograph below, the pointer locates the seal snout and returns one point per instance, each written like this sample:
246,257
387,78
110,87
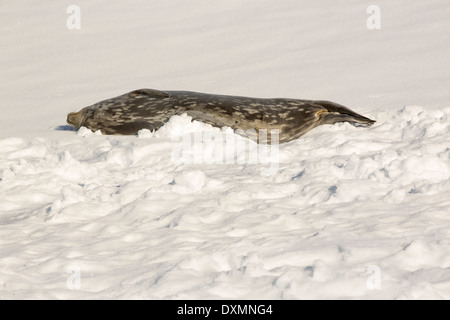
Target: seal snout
75,119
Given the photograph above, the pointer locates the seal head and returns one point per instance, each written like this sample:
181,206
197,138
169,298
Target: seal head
76,119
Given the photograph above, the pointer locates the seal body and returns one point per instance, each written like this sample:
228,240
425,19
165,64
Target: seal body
150,109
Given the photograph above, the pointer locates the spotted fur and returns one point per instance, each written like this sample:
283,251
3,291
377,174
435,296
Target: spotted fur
150,109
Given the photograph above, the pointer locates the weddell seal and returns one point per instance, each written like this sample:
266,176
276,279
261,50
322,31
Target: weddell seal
150,109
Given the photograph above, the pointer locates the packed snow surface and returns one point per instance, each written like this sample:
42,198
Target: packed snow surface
196,212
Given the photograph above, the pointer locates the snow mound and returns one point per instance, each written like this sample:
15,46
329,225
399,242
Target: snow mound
342,202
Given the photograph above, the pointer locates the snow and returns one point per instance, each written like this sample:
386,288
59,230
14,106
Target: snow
196,212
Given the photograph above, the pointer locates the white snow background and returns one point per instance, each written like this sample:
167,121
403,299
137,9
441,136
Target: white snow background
351,213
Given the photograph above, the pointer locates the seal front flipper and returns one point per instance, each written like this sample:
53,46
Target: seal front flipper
333,113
